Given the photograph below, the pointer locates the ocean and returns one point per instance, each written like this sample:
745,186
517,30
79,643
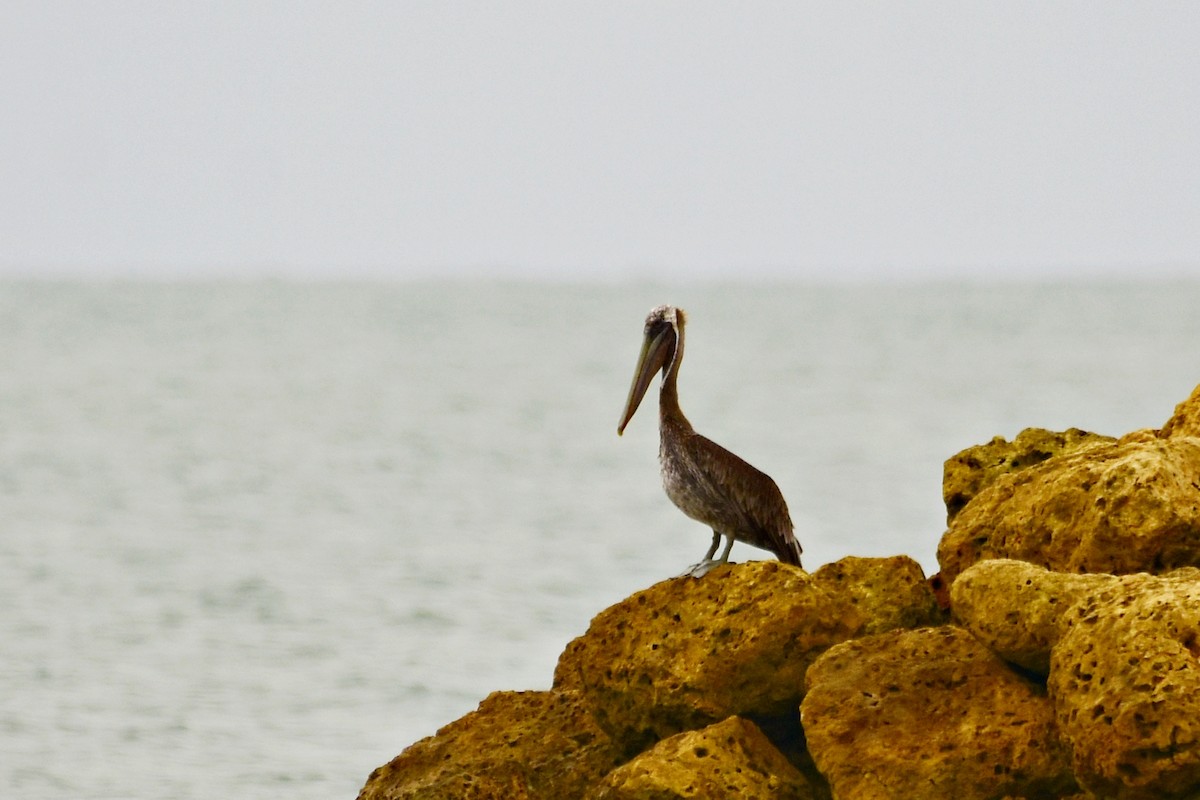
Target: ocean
258,537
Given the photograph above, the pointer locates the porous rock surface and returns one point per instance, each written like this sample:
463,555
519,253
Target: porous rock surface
516,745
888,592
930,713
1122,654
1186,419
1129,506
1125,678
1018,609
686,653
969,472
729,759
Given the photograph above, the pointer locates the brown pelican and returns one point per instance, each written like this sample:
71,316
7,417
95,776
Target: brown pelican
706,481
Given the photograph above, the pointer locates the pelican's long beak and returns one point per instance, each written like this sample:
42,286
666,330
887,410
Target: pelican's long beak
656,351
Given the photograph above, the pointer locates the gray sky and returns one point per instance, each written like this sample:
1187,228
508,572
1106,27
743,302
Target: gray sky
816,140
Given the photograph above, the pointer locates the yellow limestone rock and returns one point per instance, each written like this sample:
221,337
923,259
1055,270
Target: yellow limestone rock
968,473
1017,609
888,592
1186,419
1125,507
930,713
515,746
688,652
1125,679
1122,654
729,759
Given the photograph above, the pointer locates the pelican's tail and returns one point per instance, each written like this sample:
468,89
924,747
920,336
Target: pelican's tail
790,552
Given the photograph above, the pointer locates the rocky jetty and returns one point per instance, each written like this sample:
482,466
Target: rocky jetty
1068,665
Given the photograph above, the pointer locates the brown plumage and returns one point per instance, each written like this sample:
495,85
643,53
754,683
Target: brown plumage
706,481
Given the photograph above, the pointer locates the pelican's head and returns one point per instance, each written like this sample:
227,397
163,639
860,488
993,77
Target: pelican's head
660,350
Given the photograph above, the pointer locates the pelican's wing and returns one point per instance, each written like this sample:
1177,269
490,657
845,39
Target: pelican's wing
752,496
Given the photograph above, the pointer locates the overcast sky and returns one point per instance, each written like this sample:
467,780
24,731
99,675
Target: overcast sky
815,140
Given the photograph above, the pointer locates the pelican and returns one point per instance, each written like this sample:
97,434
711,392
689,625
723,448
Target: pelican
703,479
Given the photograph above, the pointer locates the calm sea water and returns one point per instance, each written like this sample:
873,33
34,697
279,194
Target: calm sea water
257,538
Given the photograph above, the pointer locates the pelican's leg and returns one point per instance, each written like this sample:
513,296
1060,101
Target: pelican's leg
725,555
703,568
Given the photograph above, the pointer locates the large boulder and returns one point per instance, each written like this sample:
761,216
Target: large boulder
1186,419
966,474
1122,653
730,759
515,746
1018,609
1125,679
888,592
688,652
930,713
1129,506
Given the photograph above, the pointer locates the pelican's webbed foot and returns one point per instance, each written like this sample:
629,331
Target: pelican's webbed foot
703,568
707,564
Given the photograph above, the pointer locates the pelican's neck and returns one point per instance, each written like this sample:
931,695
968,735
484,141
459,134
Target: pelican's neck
669,412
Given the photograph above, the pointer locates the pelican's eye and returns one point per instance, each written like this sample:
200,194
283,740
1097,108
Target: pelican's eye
656,327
